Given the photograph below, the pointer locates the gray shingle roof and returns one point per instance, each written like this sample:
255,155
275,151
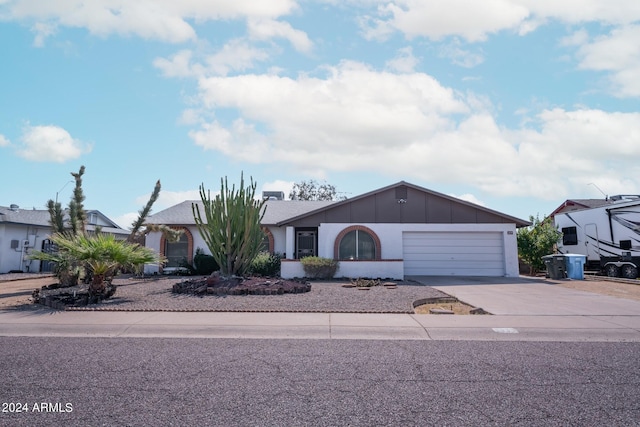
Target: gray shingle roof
40,218
24,216
276,211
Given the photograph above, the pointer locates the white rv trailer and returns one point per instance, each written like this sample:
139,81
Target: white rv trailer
609,236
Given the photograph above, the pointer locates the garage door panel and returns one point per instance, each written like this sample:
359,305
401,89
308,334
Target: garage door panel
459,257
454,253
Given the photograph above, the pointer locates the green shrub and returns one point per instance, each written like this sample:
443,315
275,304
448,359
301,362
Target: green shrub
204,264
319,268
266,264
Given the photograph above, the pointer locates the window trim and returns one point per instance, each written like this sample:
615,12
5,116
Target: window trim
163,244
269,236
343,233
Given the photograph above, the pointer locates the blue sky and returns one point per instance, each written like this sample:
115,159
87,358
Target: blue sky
513,104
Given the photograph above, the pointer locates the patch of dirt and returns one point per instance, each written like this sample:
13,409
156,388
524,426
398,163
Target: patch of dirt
457,307
603,287
444,306
18,293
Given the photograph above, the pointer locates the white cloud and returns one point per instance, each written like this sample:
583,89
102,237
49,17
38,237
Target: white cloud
267,29
169,198
165,20
190,116
613,12
178,65
353,110
50,144
165,200
574,148
460,56
404,62
619,53
4,142
126,220
469,198
469,19
410,126
42,31
577,38
475,20
236,55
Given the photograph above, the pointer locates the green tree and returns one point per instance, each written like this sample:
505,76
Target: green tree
231,225
144,213
56,215
101,256
536,241
97,256
312,190
137,232
77,214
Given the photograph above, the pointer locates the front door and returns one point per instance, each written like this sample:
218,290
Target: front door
306,243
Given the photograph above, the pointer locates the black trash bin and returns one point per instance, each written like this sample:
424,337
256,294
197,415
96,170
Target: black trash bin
556,266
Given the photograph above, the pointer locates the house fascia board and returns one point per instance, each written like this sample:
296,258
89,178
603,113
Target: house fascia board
519,222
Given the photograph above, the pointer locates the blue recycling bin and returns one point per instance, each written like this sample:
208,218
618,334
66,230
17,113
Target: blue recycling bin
575,266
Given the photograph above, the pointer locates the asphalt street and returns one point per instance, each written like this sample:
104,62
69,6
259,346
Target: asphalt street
275,382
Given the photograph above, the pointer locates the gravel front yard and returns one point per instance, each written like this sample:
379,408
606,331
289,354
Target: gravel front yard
134,294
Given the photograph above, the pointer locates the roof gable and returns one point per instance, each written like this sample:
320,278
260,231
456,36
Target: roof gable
402,203
397,203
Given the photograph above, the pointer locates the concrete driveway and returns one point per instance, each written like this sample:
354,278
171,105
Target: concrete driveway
529,297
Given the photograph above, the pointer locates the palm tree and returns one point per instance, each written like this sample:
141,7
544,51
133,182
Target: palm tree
101,256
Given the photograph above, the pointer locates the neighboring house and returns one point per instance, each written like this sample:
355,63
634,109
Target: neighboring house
25,230
396,231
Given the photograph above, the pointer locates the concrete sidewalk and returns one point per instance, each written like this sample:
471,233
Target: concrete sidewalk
320,326
523,310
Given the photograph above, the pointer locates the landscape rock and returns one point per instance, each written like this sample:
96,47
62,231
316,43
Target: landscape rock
218,285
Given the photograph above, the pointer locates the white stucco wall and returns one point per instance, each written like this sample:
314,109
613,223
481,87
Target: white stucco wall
279,239
153,242
390,236
17,259
351,269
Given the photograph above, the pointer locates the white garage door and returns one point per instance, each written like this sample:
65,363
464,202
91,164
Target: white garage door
453,253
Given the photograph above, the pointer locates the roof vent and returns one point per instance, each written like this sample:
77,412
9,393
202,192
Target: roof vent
14,207
272,195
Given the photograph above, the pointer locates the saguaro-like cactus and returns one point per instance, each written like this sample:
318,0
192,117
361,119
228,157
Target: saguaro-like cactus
231,225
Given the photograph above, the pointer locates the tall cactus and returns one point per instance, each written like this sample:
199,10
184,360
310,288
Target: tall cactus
231,226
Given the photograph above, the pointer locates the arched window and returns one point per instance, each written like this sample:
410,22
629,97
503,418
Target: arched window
357,244
267,241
